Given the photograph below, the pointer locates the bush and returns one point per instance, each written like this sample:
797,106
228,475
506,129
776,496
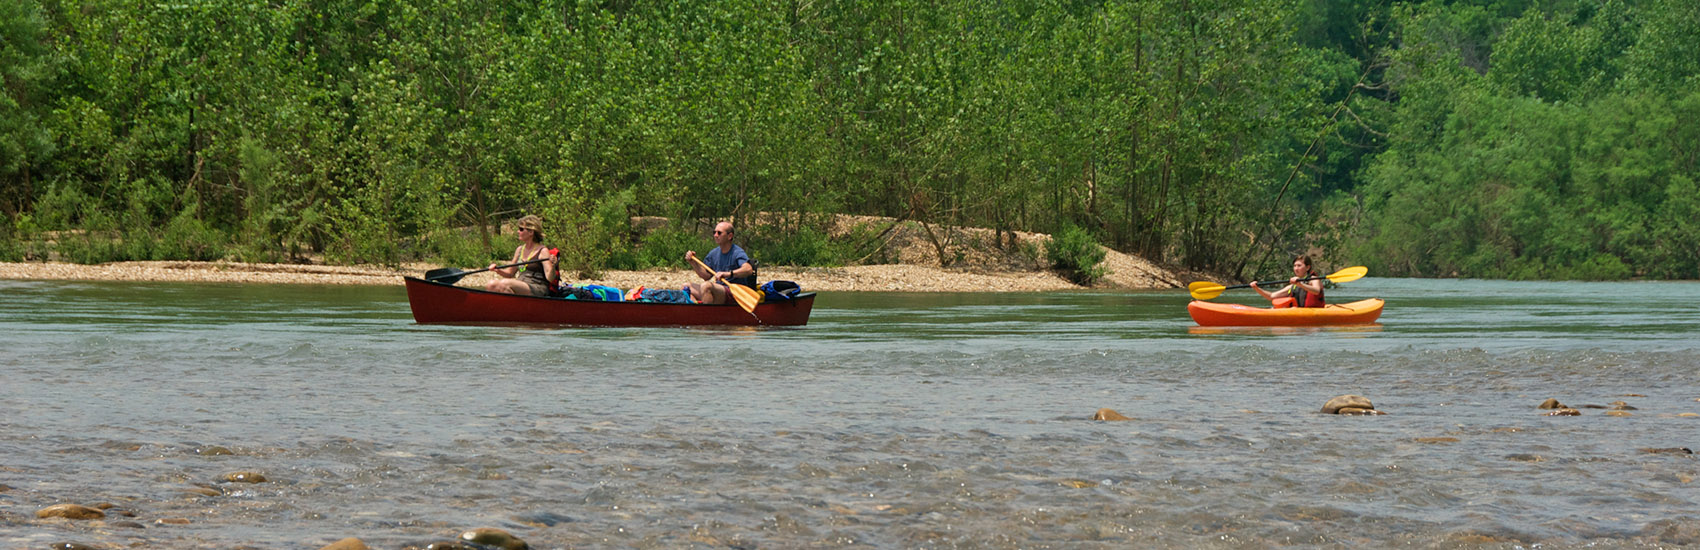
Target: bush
1076,254
188,237
805,246
664,247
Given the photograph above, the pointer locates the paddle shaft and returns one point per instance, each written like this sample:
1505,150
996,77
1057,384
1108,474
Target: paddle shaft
1263,283
458,273
710,270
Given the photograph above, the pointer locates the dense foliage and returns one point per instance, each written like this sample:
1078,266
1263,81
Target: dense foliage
1541,144
1494,138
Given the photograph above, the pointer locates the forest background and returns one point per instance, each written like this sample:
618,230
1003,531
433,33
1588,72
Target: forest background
1502,138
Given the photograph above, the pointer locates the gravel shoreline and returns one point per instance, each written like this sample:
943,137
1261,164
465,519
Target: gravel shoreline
1126,273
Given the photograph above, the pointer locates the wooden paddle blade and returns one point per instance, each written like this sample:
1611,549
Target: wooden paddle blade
1206,291
1349,274
746,297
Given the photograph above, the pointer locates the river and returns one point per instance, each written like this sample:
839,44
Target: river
890,421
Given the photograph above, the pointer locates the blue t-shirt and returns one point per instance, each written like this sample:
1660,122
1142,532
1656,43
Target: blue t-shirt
718,262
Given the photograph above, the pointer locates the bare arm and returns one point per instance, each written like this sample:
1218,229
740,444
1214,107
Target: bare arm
1313,286
697,266
1286,290
507,272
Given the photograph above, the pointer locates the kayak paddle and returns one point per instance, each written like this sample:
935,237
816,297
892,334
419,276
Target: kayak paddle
1205,290
450,275
745,296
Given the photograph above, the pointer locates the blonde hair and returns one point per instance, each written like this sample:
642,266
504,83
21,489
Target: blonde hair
535,224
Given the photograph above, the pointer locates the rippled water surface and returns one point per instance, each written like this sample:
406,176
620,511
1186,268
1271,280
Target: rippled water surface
890,421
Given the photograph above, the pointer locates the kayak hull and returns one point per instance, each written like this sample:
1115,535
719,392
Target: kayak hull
1209,314
438,303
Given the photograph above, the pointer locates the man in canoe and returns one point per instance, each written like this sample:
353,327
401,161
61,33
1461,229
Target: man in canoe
534,278
726,263
1303,290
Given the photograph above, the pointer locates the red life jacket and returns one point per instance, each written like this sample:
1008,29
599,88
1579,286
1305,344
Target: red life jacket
1305,299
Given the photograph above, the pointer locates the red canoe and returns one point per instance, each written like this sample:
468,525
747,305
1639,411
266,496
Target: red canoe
437,303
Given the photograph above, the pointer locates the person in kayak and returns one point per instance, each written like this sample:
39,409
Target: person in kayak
730,264
535,278
1298,292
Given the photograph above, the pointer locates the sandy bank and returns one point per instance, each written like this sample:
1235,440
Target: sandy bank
1127,273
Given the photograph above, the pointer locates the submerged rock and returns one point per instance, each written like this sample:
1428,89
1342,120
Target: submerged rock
443,545
244,477
72,546
1347,402
1564,412
200,491
1682,531
1668,450
490,536
1109,414
69,511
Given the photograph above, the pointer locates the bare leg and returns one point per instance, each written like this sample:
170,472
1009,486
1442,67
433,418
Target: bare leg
716,293
510,286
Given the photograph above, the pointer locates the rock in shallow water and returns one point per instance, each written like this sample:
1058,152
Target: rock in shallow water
349,543
69,511
1109,414
244,477
1346,402
490,536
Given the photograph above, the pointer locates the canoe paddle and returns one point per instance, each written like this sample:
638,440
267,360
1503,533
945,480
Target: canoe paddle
1205,290
745,296
450,275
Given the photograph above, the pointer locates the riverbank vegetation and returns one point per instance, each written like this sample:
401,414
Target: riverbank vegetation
1503,138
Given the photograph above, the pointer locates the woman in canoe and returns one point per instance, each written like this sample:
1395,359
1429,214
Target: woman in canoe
534,278
1303,290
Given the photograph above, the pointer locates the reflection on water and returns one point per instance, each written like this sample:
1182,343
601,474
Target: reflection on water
1342,330
892,420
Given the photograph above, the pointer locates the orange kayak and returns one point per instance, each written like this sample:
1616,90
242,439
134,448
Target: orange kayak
1210,314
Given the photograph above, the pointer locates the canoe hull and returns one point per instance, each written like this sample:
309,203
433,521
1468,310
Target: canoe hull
1209,314
437,303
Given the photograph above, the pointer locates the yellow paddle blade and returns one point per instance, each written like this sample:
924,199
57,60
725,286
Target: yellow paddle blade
1349,274
1204,290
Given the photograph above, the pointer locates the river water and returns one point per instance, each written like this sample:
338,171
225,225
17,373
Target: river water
890,421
